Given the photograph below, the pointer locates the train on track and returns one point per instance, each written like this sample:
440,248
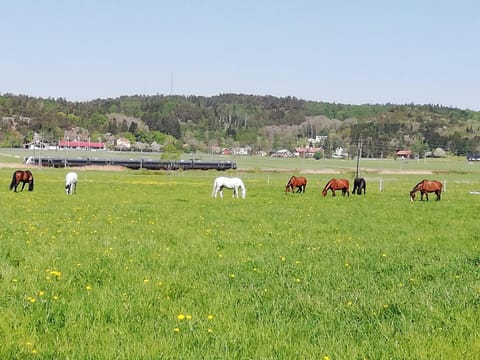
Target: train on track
134,164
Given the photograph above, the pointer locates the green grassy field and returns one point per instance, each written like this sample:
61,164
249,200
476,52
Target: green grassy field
146,265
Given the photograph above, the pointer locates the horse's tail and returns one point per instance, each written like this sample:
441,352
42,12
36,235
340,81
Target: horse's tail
214,187
12,184
244,189
30,182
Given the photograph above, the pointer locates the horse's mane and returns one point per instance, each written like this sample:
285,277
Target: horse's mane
420,183
290,180
328,184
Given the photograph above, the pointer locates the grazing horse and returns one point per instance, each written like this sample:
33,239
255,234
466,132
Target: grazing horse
24,177
359,185
229,183
296,182
71,183
337,184
425,187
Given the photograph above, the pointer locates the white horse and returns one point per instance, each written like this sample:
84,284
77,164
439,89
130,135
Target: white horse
229,183
71,183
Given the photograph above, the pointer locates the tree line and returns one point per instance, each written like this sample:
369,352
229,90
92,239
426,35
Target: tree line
267,123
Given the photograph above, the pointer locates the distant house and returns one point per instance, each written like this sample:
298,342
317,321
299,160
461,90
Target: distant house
283,154
404,154
319,140
81,145
340,153
123,144
37,145
307,152
242,150
215,149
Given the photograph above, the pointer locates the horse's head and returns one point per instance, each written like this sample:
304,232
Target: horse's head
324,192
67,189
287,188
244,192
412,195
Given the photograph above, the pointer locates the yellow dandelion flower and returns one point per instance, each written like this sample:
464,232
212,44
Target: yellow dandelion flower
188,317
176,330
349,303
180,317
41,293
210,317
145,281
232,275
385,306
210,331
88,287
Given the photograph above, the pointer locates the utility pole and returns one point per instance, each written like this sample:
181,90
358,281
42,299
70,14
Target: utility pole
359,155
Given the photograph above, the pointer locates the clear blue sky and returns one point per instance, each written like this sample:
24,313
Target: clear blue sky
350,51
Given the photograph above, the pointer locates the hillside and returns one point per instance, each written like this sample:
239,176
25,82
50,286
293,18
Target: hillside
267,123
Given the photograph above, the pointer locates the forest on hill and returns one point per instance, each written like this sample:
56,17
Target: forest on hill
263,123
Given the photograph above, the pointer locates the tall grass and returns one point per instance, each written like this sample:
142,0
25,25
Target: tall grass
148,265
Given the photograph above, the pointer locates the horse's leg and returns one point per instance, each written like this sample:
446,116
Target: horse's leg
438,193
23,185
333,192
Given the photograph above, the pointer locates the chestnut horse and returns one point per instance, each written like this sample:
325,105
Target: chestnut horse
24,177
359,184
337,184
425,187
296,182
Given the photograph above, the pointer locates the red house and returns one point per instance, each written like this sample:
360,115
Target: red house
404,154
81,145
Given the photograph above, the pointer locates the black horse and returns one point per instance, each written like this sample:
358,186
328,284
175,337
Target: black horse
23,177
359,184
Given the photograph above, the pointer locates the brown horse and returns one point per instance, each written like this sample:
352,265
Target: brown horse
300,183
24,177
425,187
337,184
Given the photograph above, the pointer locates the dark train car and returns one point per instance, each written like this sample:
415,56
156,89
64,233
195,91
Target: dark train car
134,164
